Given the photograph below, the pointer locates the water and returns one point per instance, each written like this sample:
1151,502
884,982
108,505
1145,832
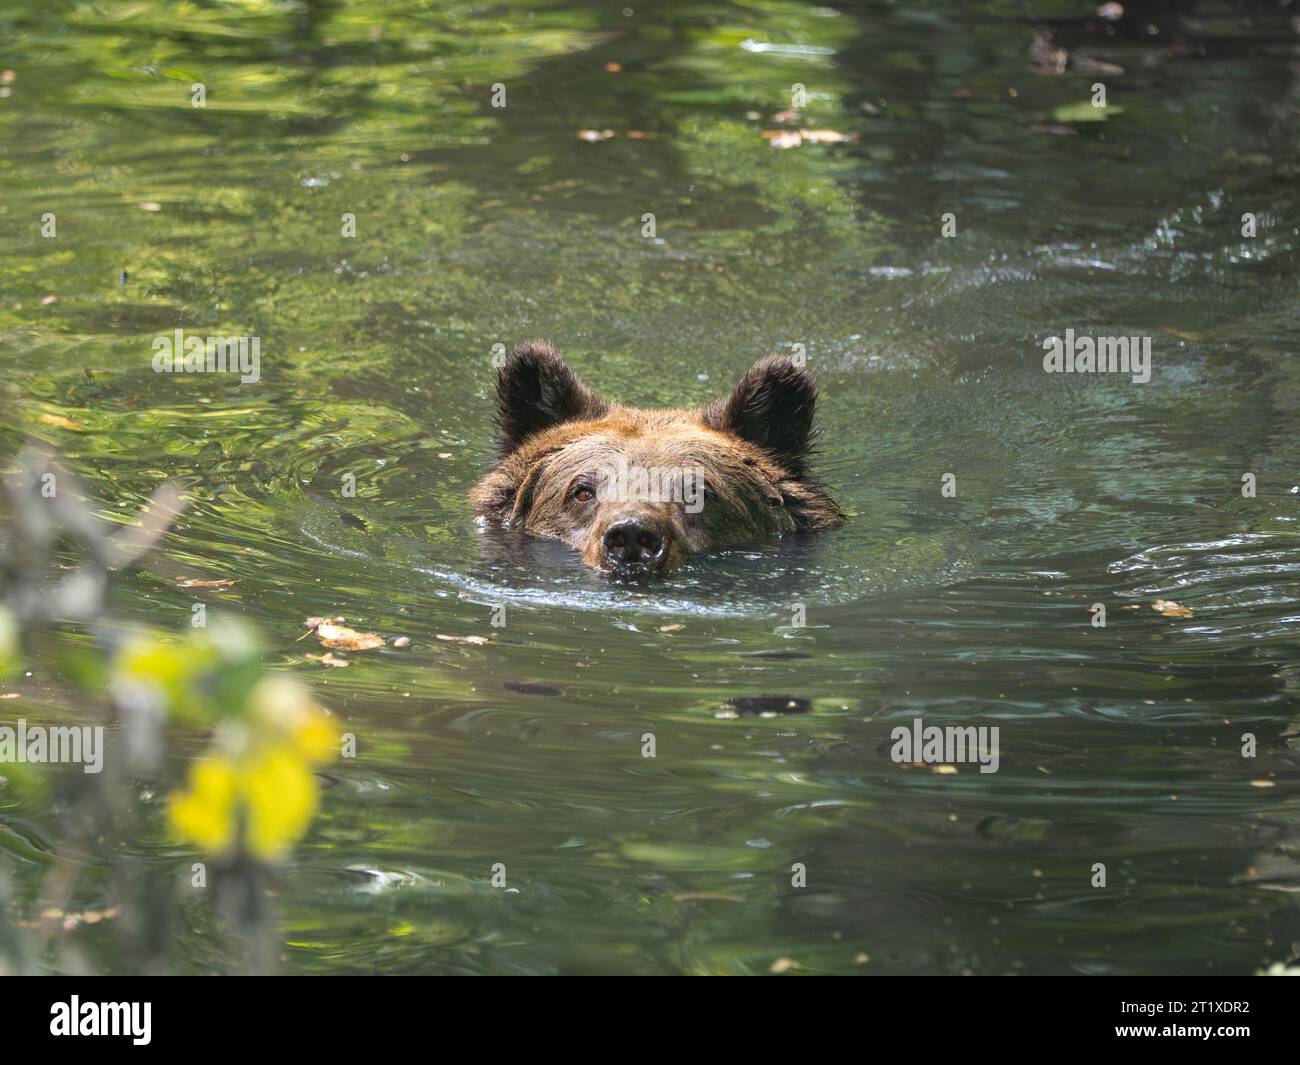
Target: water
478,226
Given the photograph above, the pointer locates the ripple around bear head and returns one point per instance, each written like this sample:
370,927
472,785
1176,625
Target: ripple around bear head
489,565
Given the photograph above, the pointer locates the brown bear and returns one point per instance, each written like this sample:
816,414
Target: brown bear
636,492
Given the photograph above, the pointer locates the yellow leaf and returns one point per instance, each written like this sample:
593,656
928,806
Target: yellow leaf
61,422
205,814
279,794
316,738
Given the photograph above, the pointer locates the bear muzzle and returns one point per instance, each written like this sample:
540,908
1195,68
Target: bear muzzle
631,546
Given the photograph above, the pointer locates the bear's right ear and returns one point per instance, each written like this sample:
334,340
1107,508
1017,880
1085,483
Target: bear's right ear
535,391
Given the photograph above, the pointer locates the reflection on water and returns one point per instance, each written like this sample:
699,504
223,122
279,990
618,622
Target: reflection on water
478,226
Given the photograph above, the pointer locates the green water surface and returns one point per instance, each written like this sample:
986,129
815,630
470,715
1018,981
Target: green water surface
477,226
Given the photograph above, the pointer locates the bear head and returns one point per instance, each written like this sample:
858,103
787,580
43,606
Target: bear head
636,491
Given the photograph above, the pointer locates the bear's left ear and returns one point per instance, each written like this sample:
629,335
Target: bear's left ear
771,407
535,391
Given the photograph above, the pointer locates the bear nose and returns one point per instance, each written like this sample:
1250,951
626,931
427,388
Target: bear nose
632,543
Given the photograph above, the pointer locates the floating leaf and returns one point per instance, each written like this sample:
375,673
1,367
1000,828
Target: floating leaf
824,136
1086,111
61,422
342,638
1170,609
784,138
70,919
793,138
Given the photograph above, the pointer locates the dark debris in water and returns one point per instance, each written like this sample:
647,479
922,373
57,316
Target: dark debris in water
777,656
769,704
531,689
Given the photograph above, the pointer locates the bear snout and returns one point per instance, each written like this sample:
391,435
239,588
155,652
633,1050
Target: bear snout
631,542
630,546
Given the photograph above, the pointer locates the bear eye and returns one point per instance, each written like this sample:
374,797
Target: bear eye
582,494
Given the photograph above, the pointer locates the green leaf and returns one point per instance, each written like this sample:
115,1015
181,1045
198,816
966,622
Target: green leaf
1086,111
8,643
